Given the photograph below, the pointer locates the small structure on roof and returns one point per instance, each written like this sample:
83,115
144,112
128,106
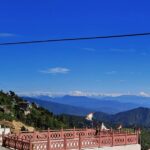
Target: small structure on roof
119,127
103,127
89,117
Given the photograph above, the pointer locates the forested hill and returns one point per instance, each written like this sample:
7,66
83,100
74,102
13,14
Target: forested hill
139,117
13,107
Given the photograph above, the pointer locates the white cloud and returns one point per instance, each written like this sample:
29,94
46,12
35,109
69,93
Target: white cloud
78,93
41,93
33,94
93,94
56,70
53,94
144,94
6,35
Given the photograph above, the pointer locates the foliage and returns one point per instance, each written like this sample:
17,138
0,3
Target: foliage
14,108
145,139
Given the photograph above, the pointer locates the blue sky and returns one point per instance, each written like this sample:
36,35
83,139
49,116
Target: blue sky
112,66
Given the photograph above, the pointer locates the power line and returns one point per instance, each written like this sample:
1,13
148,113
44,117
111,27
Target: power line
75,39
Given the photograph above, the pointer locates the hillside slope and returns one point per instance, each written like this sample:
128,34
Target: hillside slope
138,117
13,107
135,117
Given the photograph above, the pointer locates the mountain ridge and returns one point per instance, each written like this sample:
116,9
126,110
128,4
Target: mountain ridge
58,108
139,116
94,104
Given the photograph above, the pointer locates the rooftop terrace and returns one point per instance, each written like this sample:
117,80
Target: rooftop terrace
70,139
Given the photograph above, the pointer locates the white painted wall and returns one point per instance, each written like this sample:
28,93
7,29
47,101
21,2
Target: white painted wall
126,147
5,131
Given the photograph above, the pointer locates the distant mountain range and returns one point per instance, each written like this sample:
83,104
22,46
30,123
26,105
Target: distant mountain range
140,100
58,108
75,104
132,113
